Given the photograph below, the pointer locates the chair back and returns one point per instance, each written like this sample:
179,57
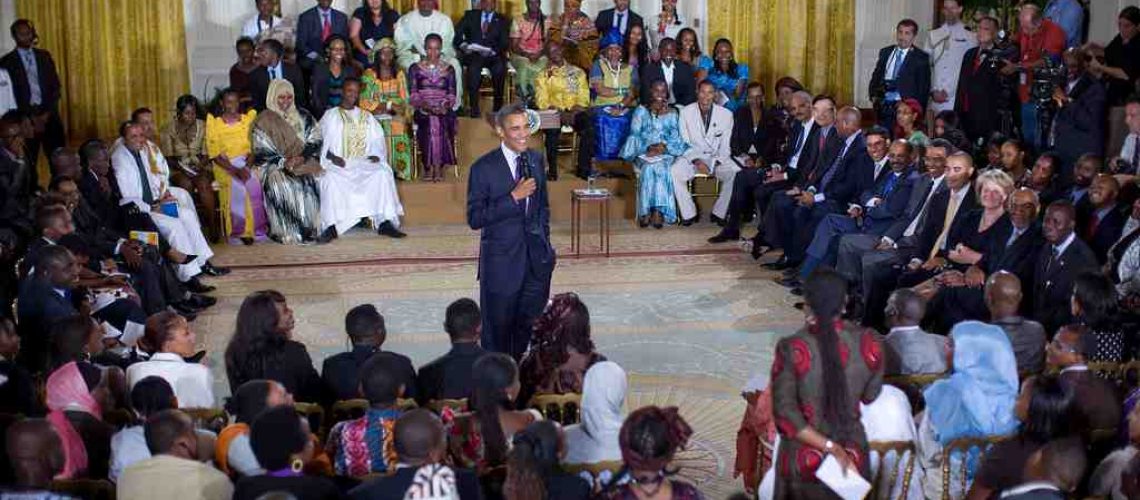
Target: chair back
963,446
211,419
913,385
88,489
562,408
456,405
904,453
598,474
1108,371
315,414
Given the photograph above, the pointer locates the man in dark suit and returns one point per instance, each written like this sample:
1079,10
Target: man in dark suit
819,152
1095,397
489,29
979,100
621,18
314,27
678,75
366,331
273,66
45,297
877,207
902,71
36,86
1100,223
15,195
419,441
1079,124
449,376
507,200
1060,260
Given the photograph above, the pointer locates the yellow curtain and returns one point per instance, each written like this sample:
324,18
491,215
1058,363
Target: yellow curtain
812,41
113,56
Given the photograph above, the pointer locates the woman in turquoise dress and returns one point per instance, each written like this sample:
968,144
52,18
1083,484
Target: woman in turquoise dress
654,142
729,76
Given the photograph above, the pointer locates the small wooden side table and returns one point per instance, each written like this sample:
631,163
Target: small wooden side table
579,197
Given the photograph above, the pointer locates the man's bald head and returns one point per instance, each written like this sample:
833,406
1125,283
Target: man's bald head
1003,294
35,452
419,437
905,308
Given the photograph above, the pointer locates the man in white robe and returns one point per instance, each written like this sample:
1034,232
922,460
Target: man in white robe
707,128
414,27
357,181
142,175
947,45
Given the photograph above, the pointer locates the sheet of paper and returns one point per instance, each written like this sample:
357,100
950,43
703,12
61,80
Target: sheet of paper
851,486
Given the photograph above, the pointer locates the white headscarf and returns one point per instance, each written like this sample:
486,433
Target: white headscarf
603,402
291,115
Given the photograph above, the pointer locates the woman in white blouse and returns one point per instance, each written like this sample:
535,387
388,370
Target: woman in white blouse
169,340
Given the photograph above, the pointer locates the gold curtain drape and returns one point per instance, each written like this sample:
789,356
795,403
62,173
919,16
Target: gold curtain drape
812,41
113,56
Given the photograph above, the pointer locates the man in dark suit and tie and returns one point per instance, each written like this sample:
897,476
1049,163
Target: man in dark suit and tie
1060,260
1080,120
620,17
449,376
678,75
1100,222
273,66
1094,398
36,86
419,442
902,71
507,200
490,30
45,296
314,26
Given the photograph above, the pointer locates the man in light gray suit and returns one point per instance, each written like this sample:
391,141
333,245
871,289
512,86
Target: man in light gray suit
909,349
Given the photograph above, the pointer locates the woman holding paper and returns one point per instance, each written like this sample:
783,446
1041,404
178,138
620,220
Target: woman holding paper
654,142
819,376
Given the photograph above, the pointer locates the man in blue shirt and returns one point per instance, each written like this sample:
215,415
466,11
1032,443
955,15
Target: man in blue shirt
1070,16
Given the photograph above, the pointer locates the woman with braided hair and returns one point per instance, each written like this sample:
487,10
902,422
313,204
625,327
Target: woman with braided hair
649,439
533,470
560,350
819,376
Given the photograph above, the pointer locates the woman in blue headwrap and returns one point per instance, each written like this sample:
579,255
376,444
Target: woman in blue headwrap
614,87
976,400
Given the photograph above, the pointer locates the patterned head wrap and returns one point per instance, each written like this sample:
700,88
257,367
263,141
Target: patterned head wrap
635,433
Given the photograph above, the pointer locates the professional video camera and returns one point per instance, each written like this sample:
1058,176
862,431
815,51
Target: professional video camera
1047,78
1004,50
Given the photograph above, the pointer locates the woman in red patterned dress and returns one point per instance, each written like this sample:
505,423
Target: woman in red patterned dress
819,376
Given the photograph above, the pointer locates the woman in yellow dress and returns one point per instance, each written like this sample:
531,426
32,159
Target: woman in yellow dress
384,93
239,191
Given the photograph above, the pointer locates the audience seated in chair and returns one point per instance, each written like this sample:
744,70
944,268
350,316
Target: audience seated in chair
1096,398
360,447
173,469
533,469
1063,257
149,396
1054,472
1003,299
1047,411
1106,478
170,340
450,376
909,349
1094,305
560,351
262,348
492,420
18,392
36,455
1100,222
976,400
233,454
419,443
595,439
706,127
650,438
366,330
653,144
283,445
889,419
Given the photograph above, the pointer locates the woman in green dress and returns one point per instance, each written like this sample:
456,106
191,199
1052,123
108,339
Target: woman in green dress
384,93
819,376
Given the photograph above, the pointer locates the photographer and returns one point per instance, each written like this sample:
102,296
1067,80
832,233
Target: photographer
984,102
1038,38
1079,126
1119,70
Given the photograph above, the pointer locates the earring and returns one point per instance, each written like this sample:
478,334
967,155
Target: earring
297,465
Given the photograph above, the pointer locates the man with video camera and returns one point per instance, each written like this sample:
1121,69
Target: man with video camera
985,95
1040,41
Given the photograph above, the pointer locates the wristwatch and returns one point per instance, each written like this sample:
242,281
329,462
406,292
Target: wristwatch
828,446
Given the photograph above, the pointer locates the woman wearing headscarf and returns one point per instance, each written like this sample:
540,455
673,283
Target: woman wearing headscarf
286,143
384,93
819,376
603,399
889,418
976,400
649,440
614,85
78,393
561,349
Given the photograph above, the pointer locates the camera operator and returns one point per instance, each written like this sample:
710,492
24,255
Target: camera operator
1079,126
985,95
902,71
1119,69
1038,38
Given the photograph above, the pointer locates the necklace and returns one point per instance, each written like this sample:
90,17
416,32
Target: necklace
616,72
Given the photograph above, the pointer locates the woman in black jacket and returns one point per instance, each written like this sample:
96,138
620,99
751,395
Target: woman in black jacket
262,348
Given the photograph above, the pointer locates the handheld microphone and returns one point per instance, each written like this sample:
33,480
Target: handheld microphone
524,166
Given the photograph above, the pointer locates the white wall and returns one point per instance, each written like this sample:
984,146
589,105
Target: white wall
7,17
875,22
1102,22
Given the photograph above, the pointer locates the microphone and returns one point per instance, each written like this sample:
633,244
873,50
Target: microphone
524,166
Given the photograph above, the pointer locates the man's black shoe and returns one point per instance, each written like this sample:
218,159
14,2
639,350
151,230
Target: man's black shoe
724,236
759,247
199,301
798,305
473,113
689,222
186,312
387,229
716,220
212,270
327,236
779,265
194,285
793,282
797,291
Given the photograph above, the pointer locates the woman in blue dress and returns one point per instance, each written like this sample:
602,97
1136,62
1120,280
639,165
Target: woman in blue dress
729,76
613,85
654,142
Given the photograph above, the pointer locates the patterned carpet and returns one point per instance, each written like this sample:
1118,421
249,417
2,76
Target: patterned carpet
690,322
